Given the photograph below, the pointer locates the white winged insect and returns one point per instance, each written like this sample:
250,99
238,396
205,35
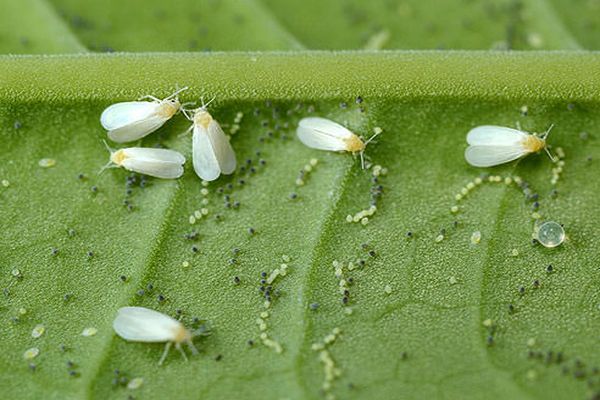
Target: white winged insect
160,163
491,145
212,153
139,324
324,134
132,120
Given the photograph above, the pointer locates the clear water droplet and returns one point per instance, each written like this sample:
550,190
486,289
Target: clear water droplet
551,234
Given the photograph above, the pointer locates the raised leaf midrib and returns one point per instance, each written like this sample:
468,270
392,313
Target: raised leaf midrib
534,76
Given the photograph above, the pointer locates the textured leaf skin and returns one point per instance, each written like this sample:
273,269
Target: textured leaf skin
423,311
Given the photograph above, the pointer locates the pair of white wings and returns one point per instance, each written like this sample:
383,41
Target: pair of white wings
323,134
132,120
211,152
129,121
160,163
141,324
492,145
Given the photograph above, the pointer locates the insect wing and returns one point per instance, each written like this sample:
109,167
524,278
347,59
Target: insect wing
204,158
160,163
323,134
222,148
121,114
488,156
131,120
490,135
165,155
144,325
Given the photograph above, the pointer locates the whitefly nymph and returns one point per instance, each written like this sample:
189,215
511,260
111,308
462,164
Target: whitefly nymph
324,134
491,145
160,163
139,324
212,153
132,120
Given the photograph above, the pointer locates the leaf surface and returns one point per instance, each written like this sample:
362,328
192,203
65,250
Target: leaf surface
425,318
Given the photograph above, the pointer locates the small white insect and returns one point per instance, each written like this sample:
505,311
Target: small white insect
324,134
212,153
132,120
139,324
493,145
160,163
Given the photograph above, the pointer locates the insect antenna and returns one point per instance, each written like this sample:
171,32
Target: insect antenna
545,135
149,97
174,95
205,105
371,138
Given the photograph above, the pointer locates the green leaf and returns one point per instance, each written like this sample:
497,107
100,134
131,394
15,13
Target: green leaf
423,311
582,19
189,25
426,338
36,30
38,26
415,24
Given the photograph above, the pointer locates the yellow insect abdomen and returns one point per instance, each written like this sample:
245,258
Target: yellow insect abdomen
168,109
533,144
202,118
181,335
118,157
354,144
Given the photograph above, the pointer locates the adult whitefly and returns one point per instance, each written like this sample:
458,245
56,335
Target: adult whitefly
160,163
212,154
139,324
132,120
324,134
491,145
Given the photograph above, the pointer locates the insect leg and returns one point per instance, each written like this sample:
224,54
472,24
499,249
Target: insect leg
193,348
165,352
552,156
178,347
188,130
